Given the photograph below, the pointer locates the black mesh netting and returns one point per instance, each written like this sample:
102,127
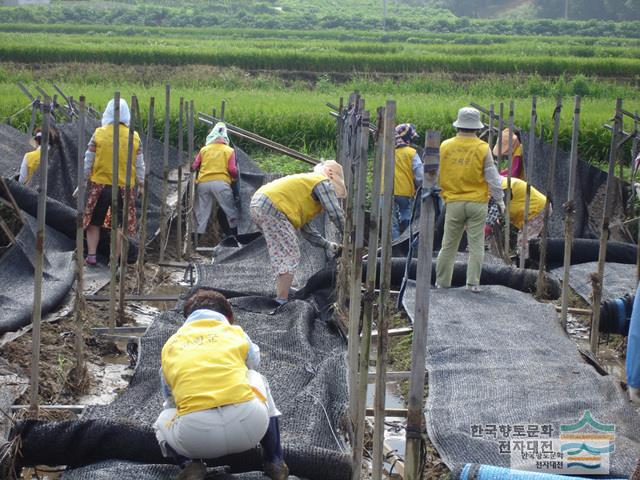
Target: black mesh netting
501,358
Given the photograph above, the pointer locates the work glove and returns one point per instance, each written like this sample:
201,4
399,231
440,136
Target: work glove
333,248
75,193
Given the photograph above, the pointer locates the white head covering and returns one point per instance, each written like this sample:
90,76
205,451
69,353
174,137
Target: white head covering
333,171
219,131
469,119
125,114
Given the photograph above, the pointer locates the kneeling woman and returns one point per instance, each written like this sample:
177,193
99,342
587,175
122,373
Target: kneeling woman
290,203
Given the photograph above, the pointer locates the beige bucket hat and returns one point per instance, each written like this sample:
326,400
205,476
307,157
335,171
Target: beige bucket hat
333,170
468,118
504,140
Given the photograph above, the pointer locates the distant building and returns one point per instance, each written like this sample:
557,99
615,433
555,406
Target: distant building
19,3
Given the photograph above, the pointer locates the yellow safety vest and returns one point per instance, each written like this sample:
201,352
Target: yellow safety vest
403,179
214,163
204,365
537,201
462,170
33,163
102,172
292,196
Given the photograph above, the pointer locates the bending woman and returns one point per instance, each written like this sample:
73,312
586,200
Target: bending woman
290,203
98,173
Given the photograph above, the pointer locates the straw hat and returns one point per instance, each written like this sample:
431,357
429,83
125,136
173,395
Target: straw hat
469,119
504,140
333,170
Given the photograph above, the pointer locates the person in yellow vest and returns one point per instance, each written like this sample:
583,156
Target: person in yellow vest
537,202
218,169
407,178
290,203
468,176
517,166
31,160
215,402
98,173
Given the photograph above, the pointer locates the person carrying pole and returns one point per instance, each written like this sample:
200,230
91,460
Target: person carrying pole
468,176
537,202
98,173
287,204
215,401
517,167
218,170
407,178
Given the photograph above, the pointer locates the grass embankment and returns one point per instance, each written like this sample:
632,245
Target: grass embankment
293,112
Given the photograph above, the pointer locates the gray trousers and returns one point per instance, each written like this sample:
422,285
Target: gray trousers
208,192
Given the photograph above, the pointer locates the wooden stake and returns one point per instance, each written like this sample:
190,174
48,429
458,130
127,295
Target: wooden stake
124,240
35,106
355,295
114,210
604,232
524,248
80,368
145,198
222,108
569,209
415,422
165,172
385,284
634,154
541,282
192,186
180,164
365,345
39,257
491,126
507,195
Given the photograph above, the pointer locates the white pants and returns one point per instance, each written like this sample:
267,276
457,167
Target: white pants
221,431
208,192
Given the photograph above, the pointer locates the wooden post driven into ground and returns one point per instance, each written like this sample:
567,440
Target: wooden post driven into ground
180,164
524,248
145,198
570,211
598,279
415,417
551,178
385,286
114,208
35,106
192,184
367,309
124,239
491,126
508,195
39,256
634,154
165,172
79,367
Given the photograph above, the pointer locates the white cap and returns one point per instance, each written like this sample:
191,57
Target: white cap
468,118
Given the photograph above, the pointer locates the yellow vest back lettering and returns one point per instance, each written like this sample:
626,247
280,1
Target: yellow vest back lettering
292,196
462,170
102,172
214,163
403,179
537,201
204,365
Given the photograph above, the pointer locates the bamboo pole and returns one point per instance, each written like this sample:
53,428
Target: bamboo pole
604,232
385,284
415,424
524,248
569,209
191,233
80,306
39,257
507,195
124,239
541,282
165,172
145,198
35,106
180,164
634,154
223,104
114,209
355,295
367,309
491,126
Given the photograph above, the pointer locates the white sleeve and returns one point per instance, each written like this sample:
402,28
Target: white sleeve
24,171
492,177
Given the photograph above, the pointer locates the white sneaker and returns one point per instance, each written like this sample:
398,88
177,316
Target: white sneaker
634,395
474,288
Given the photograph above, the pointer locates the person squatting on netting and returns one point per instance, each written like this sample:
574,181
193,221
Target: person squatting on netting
407,178
468,176
98,173
215,401
287,204
217,167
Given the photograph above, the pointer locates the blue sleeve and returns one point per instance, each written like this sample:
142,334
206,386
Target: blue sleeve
418,170
633,345
166,390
